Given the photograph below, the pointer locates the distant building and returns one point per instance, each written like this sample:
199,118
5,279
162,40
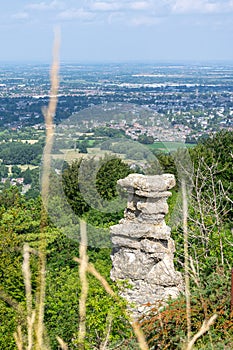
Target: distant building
13,181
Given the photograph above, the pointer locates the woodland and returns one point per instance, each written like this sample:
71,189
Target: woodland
210,259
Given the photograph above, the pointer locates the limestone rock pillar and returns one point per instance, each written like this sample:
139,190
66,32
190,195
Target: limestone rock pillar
142,247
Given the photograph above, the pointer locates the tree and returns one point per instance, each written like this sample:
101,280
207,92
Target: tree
97,181
82,146
71,188
215,152
111,170
3,171
21,153
27,176
16,171
145,139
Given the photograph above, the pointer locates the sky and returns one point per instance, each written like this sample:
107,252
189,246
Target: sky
117,30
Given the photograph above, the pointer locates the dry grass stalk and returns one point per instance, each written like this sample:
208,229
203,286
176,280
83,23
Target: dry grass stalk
48,115
204,328
84,266
103,345
10,301
31,321
84,284
135,325
140,336
28,289
91,269
19,338
62,344
27,278
196,279
186,259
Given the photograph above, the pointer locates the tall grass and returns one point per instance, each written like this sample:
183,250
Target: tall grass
35,337
35,330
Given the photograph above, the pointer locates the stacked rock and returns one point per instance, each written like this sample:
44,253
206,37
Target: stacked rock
142,247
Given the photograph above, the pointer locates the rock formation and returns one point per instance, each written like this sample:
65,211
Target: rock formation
142,247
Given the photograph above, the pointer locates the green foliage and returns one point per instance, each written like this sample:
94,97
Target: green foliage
62,301
214,155
111,170
146,140
163,163
210,248
21,153
33,177
8,324
27,176
16,171
9,197
131,149
107,171
3,171
71,188
82,146
10,263
108,132
166,328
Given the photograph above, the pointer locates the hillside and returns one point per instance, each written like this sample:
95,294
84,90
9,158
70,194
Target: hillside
210,251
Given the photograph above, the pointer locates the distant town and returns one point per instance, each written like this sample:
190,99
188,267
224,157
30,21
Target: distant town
193,99
103,109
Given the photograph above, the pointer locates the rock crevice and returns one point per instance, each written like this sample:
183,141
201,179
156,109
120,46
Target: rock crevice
143,249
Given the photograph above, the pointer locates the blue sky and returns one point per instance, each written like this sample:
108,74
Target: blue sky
117,30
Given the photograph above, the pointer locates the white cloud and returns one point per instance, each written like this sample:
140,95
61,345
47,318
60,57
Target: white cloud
159,7
119,5
230,4
71,14
139,5
162,6
44,6
106,6
134,12
20,15
145,21
197,6
115,17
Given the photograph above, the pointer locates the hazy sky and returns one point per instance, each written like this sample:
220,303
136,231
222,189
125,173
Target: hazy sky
117,30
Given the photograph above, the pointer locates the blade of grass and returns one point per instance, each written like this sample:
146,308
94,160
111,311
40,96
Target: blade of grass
135,325
204,328
186,259
28,289
48,115
84,284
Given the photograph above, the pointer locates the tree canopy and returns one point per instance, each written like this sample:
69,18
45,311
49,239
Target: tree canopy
97,177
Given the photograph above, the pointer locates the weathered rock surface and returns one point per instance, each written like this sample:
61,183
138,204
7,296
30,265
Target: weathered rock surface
142,247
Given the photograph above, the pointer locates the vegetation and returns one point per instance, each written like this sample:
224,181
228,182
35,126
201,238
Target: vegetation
97,180
210,252
21,153
210,256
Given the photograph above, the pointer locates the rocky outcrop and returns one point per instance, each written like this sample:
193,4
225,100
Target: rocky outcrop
142,247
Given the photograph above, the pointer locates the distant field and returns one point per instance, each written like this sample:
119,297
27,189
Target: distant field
91,142
22,167
31,142
169,146
70,154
